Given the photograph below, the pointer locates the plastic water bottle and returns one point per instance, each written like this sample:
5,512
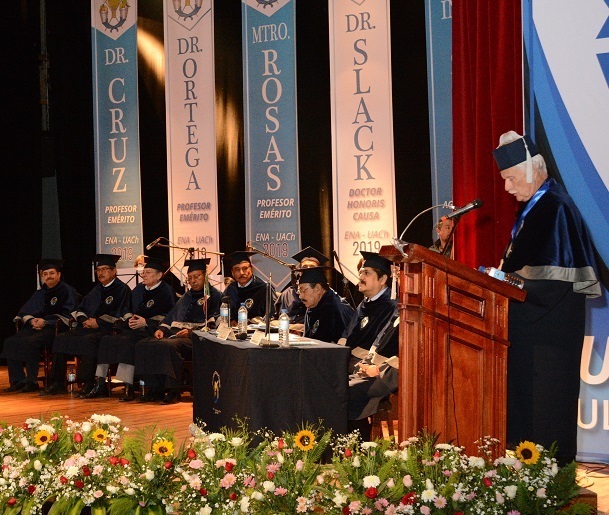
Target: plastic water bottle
284,329
224,313
242,319
502,276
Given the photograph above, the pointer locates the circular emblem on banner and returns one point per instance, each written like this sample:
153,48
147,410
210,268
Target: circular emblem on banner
110,299
315,327
150,303
364,322
53,301
215,385
249,303
201,301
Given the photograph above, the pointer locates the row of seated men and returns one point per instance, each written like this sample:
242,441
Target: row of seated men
148,334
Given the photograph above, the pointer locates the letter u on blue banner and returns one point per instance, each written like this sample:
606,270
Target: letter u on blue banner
272,209
116,129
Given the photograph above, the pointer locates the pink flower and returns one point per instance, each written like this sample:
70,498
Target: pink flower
280,491
98,493
228,480
273,467
440,502
381,503
195,464
425,510
250,481
299,465
354,506
407,480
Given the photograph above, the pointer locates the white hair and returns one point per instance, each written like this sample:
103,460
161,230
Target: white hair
539,163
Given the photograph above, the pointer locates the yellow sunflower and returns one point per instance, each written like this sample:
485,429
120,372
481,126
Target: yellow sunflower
527,453
42,437
305,440
100,435
163,447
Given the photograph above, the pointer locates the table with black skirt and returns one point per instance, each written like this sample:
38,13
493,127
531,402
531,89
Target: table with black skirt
280,389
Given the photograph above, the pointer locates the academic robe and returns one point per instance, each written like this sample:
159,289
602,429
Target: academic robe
328,320
290,301
253,295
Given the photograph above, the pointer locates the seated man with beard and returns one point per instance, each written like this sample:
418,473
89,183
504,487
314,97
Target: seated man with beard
158,359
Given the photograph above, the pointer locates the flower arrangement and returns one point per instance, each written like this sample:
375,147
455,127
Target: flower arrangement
95,464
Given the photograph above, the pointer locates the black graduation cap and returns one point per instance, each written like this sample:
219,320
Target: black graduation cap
514,153
106,260
46,263
238,257
310,253
196,264
155,263
313,275
373,260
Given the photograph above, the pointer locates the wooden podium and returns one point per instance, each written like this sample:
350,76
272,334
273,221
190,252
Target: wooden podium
453,348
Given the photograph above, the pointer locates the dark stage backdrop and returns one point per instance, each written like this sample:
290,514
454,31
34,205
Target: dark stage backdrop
70,154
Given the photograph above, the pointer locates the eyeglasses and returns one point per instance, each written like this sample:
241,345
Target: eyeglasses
303,290
194,277
101,269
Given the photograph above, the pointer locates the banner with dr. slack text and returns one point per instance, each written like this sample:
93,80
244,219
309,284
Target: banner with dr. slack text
272,205
116,129
191,133
362,129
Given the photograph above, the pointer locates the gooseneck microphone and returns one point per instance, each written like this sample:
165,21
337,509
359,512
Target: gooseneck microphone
474,204
152,244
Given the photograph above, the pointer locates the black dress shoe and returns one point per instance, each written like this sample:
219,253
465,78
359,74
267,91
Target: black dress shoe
99,390
84,391
15,387
129,394
172,397
54,389
151,396
30,387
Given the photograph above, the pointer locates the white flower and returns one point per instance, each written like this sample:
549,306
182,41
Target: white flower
129,491
24,442
499,498
216,436
37,465
554,468
268,486
369,445
428,495
280,458
205,511
390,453
86,427
72,471
112,489
149,474
510,491
476,461
258,496
47,428
356,462
43,447
210,452
339,499
236,441
429,484
245,504
32,422
371,481
390,483
444,446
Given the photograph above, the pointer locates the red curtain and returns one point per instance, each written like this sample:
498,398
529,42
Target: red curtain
487,101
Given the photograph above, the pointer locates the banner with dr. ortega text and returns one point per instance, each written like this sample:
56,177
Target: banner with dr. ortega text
116,130
362,129
272,210
191,133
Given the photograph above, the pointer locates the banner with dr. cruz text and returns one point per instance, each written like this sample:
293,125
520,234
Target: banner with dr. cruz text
191,132
362,129
272,209
116,129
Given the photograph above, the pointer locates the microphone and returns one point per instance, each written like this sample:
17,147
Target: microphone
474,204
150,245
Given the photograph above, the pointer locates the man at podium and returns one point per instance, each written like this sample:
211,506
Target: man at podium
550,249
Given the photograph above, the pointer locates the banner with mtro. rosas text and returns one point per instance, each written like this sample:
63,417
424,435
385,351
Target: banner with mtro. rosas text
362,129
116,129
272,210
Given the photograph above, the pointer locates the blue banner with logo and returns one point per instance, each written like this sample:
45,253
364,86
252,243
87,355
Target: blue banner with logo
438,22
567,95
116,129
272,211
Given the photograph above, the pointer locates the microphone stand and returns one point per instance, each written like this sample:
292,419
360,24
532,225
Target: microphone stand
445,205
250,248
346,290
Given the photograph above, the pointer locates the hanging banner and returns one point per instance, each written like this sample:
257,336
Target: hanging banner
362,129
191,132
272,205
438,23
118,200
566,73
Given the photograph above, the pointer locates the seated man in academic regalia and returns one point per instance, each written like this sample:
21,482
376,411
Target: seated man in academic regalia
94,318
375,310
54,301
327,313
289,298
159,359
248,288
151,300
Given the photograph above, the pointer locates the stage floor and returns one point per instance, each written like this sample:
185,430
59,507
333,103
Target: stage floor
15,408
